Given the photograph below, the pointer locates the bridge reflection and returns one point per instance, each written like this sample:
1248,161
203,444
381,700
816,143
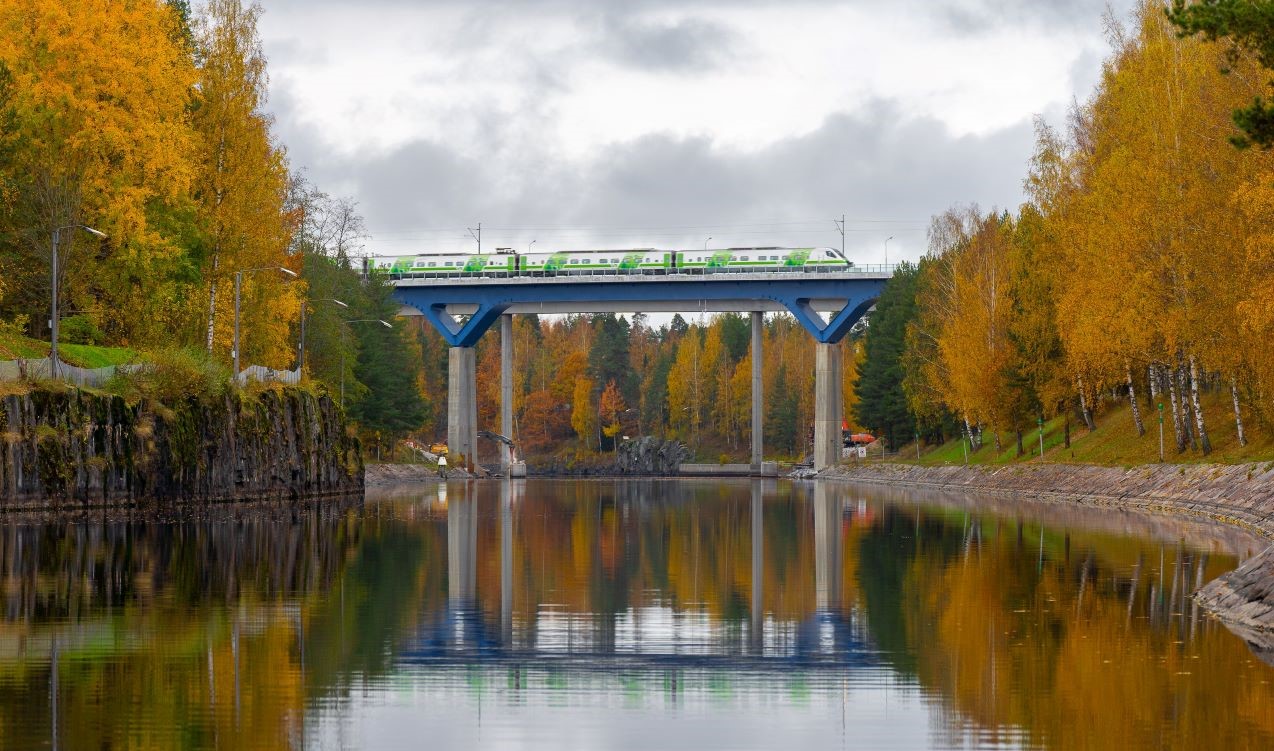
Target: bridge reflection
464,631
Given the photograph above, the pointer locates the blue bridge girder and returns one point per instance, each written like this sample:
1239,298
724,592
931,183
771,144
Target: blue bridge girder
849,294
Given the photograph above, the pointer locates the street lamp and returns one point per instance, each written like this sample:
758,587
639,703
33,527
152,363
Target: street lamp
300,359
528,246
887,239
705,244
386,324
53,319
238,284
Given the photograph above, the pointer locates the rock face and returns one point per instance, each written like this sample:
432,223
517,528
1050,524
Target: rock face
68,448
650,456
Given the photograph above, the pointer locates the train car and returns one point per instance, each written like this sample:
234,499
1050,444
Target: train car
595,261
761,259
498,264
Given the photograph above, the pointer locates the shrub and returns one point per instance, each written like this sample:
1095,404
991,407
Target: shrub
80,329
172,376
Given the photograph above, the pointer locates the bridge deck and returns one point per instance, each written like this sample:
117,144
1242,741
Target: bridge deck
485,298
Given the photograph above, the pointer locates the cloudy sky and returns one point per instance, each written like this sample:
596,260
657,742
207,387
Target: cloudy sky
653,123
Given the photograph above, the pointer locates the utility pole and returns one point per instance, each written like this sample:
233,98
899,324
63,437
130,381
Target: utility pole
476,234
840,227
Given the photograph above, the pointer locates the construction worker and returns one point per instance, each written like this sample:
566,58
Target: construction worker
442,467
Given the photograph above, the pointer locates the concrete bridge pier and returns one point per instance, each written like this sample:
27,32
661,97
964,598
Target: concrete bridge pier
462,408
828,405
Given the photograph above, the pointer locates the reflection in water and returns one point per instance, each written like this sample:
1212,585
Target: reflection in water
626,613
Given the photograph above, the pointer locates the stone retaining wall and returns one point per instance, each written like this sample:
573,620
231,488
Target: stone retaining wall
1241,494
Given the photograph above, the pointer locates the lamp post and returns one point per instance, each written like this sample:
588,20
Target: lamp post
238,286
887,239
1161,432
386,324
705,244
300,358
528,246
53,308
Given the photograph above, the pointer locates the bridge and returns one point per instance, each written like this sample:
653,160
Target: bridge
464,307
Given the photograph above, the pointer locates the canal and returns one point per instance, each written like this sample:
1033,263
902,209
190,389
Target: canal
628,614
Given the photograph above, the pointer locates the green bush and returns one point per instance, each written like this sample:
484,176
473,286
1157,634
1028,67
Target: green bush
80,329
172,376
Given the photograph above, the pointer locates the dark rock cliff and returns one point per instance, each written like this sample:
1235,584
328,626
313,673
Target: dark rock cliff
72,447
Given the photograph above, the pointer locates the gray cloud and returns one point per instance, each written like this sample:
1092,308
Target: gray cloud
692,45
960,16
665,191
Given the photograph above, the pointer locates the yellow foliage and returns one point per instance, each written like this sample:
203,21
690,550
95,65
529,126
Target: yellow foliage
100,93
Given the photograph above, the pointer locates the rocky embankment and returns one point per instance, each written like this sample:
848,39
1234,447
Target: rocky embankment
71,448
389,475
1240,494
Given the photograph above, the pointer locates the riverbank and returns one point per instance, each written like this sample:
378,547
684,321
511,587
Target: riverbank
1240,495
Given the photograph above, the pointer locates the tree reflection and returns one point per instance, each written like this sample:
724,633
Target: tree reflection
234,631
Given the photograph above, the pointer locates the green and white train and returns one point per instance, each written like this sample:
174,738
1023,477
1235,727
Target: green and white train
505,262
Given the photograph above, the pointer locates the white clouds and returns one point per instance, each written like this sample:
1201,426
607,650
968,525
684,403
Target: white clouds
517,91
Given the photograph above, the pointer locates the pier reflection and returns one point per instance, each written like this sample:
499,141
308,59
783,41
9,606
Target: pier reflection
771,609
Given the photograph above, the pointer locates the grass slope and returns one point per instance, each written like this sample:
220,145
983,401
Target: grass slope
14,347
1115,441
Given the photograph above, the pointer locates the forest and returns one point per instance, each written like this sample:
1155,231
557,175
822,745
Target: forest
1136,276
147,122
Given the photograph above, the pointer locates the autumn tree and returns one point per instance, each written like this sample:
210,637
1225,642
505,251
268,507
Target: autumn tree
93,100
241,187
583,413
1249,25
611,408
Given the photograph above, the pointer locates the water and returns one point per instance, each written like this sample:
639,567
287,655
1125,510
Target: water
625,614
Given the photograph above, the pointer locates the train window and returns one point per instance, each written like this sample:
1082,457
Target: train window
744,258
432,264
574,260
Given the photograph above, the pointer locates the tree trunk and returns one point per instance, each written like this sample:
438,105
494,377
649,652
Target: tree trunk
1152,375
998,446
1083,406
1198,408
1183,389
968,431
1067,428
1132,399
1177,431
212,300
1238,416
1020,450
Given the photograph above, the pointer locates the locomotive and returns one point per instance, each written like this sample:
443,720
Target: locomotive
506,262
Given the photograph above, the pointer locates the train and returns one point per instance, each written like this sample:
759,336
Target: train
506,262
